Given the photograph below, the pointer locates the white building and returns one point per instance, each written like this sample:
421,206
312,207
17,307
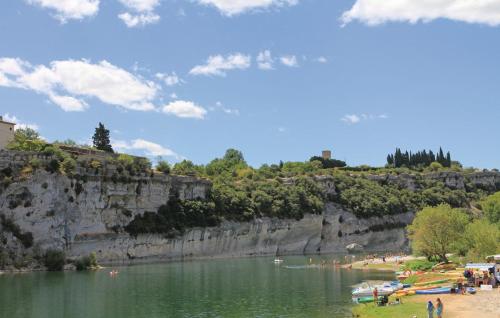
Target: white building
6,132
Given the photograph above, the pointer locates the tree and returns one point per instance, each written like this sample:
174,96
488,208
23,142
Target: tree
437,231
27,139
483,239
101,139
491,208
435,166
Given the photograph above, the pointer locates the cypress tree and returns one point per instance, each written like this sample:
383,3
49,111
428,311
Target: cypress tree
101,139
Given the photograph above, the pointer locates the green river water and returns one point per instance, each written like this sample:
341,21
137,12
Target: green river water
251,287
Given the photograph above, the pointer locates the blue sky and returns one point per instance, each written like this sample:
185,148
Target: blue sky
277,79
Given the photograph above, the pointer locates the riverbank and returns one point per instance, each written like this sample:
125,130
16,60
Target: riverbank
485,304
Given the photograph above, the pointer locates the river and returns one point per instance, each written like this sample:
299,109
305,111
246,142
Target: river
250,287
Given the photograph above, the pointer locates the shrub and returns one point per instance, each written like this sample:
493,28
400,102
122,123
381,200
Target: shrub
54,260
35,163
86,262
68,165
163,167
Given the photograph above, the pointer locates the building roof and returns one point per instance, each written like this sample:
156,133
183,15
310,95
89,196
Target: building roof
6,122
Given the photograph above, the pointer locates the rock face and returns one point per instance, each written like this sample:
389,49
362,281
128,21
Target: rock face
85,214
327,233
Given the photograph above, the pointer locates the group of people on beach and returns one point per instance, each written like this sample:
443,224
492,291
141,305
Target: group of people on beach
438,308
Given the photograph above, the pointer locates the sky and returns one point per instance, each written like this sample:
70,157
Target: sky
276,79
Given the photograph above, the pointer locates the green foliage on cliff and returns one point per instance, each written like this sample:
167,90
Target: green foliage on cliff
8,225
54,260
171,219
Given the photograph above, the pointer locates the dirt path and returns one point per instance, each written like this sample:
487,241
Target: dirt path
482,305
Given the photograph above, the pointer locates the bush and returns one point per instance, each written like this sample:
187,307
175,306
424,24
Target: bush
163,167
86,262
54,260
68,165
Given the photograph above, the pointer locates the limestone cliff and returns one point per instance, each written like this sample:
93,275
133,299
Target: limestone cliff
87,212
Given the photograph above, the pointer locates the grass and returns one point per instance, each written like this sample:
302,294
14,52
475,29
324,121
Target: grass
406,310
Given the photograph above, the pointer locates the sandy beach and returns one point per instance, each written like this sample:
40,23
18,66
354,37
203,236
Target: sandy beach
485,304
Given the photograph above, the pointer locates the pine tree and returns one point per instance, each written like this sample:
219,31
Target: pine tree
101,139
448,159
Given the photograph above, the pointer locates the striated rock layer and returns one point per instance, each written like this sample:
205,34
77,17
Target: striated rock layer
86,214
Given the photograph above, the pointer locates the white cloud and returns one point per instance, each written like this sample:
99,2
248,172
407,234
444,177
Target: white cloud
149,148
184,109
173,96
281,129
355,119
289,60
265,60
224,109
141,5
134,20
322,59
19,124
144,12
218,65
373,12
69,9
169,79
234,7
68,103
67,82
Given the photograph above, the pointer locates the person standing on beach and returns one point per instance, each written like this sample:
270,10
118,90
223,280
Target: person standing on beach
375,295
430,309
439,310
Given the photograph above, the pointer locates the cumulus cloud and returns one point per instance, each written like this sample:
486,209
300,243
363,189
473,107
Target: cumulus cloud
218,64
169,79
374,12
265,61
234,7
143,12
148,148
322,60
67,82
134,20
289,60
184,109
65,10
19,124
355,118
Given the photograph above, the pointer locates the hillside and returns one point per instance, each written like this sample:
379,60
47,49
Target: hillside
122,210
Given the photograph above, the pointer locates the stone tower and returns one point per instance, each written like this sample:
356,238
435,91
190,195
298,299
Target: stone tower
326,154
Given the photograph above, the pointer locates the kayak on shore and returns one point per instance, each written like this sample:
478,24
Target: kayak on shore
435,291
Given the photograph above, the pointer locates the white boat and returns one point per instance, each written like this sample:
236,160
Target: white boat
366,290
278,261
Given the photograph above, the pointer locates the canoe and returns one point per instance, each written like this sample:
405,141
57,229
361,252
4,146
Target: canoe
435,291
433,282
423,288
364,300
